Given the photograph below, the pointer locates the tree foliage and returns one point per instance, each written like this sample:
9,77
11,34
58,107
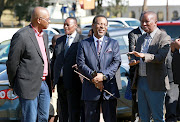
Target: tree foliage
22,8
118,8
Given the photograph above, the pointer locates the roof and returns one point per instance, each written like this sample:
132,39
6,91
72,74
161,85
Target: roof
121,18
161,23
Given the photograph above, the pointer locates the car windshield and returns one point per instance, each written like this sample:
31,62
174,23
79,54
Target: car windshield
172,30
123,43
4,54
133,22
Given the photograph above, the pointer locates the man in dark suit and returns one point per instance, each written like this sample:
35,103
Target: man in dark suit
101,54
152,81
69,85
175,48
28,67
133,37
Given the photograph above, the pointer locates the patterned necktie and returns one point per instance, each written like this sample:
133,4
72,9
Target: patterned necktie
147,41
98,47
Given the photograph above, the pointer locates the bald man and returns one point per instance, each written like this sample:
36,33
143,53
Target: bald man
28,67
152,80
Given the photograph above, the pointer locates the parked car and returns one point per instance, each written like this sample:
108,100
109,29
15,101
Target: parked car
51,32
58,27
127,22
171,27
9,102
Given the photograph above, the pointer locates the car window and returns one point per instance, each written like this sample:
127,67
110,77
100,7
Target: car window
115,21
123,43
46,31
51,32
4,54
133,23
172,30
4,43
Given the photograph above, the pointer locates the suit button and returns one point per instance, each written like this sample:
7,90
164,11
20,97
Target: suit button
43,65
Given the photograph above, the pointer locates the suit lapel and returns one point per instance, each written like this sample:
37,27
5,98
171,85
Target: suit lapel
104,46
154,40
92,45
71,48
140,42
46,45
34,40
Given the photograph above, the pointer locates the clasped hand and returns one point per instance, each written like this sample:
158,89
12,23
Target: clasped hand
98,81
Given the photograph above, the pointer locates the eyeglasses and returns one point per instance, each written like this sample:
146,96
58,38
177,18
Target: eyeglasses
47,20
102,24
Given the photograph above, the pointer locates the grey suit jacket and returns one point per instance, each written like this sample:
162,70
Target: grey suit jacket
155,61
25,63
71,80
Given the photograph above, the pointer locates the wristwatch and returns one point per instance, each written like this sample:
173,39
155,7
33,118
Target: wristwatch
104,77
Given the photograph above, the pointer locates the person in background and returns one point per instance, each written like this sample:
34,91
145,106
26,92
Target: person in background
28,67
52,46
53,116
73,10
63,10
175,48
133,37
68,82
150,73
98,58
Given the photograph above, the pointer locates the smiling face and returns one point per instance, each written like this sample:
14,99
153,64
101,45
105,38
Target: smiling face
100,27
70,26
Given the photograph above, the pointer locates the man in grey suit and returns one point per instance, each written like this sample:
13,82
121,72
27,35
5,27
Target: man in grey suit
152,81
68,82
28,67
101,54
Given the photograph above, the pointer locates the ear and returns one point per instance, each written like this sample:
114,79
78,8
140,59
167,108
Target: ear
38,20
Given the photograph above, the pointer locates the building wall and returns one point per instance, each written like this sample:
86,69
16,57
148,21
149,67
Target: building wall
137,10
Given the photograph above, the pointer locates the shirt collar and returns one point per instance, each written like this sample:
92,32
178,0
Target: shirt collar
142,31
152,34
73,35
95,39
36,32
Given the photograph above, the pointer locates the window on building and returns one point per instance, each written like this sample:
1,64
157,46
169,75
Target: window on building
175,15
160,16
132,14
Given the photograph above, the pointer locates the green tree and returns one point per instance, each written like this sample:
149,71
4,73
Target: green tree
21,8
118,8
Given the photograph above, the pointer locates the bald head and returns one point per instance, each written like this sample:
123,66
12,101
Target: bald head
149,21
38,12
40,18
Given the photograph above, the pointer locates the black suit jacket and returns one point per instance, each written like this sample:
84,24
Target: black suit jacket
70,79
176,66
25,63
133,37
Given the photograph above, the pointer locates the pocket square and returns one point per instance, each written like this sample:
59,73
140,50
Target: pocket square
108,50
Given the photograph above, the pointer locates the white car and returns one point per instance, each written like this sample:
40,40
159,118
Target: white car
51,32
127,22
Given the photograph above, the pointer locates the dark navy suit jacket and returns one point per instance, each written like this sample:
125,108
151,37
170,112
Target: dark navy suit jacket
108,63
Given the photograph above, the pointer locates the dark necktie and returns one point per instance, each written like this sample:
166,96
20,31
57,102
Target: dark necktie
67,45
98,47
